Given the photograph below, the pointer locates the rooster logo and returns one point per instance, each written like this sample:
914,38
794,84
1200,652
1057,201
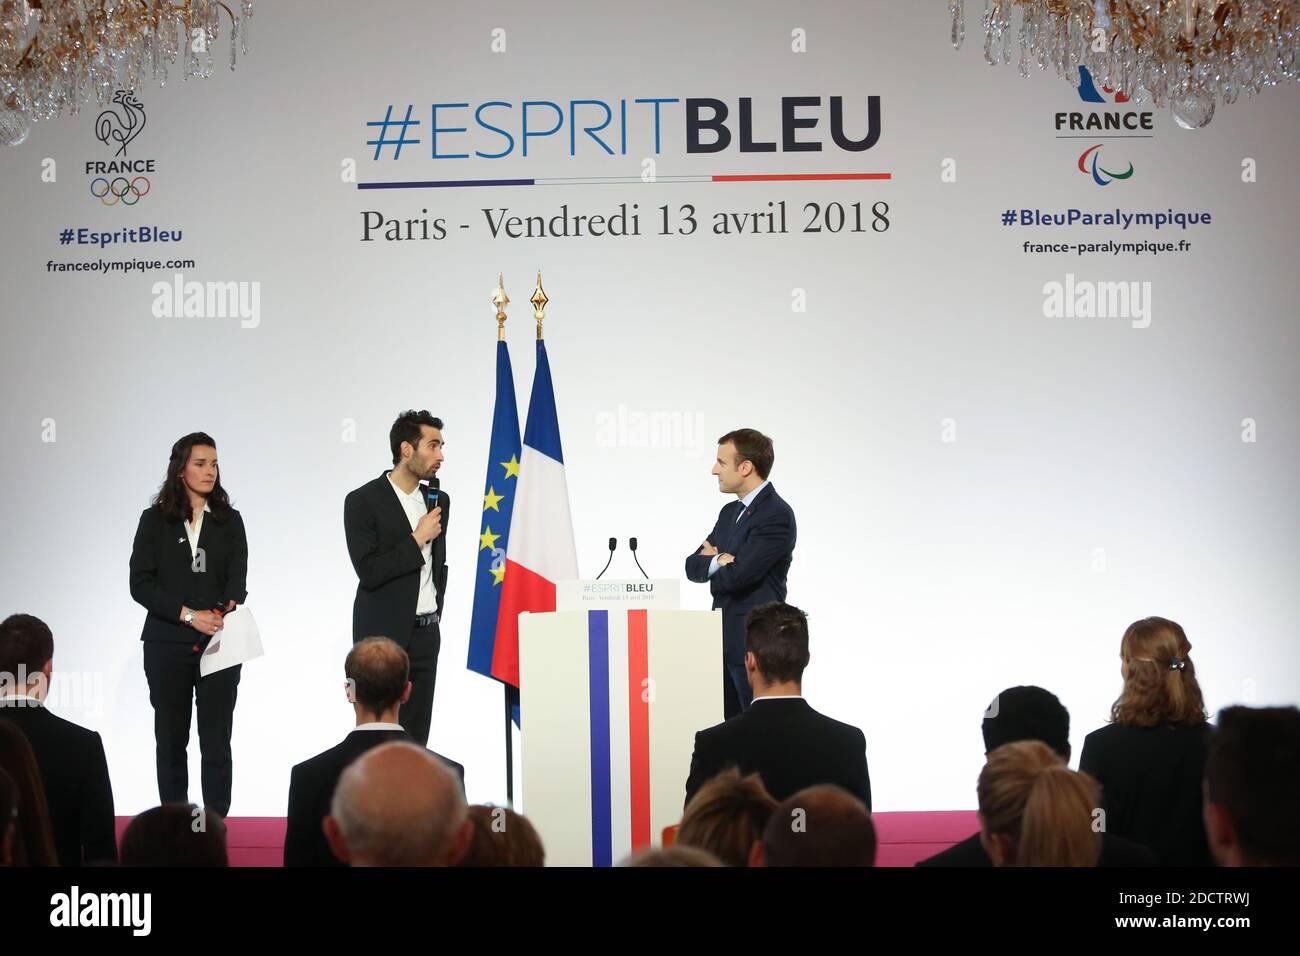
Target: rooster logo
113,127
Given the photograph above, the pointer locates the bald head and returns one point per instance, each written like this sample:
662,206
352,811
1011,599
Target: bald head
819,826
398,805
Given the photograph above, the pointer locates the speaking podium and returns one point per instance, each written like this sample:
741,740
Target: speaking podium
614,685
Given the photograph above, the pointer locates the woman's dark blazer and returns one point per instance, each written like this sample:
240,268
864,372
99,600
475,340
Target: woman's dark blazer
165,578
1151,787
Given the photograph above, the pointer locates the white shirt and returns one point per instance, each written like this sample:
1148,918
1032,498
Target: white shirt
416,508
778,697
378,725
193,532
745,502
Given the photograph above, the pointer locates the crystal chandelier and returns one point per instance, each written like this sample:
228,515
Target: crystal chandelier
1186,54
55,55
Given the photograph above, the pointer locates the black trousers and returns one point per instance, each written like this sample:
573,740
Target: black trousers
175,686
416,714
737,695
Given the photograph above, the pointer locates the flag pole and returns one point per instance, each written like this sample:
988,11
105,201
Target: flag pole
510,755
501,300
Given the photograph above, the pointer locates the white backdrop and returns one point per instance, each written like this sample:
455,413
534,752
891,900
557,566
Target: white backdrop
986,496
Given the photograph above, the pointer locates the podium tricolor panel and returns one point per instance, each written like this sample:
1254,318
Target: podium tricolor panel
612,698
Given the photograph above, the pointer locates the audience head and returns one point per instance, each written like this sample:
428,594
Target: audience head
26,656
726,817
175,834
776,645
1027,713
1252,787
378,677
1159,679
1036,811
502,837
823,825
33,839
671,856
398,805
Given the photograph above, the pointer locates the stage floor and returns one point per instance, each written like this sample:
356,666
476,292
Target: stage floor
903,838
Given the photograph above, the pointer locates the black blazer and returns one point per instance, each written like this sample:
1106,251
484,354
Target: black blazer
311,788
1151,787
75,774
762,542
1115,851
163,577
789,745
388,561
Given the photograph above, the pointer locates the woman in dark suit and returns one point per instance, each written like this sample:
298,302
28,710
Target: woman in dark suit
1150,759
189,566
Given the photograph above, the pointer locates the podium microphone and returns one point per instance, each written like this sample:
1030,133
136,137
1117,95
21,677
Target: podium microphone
613,543
631,543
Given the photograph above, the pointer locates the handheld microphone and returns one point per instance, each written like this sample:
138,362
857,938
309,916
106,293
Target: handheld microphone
431,492
631,543
613,543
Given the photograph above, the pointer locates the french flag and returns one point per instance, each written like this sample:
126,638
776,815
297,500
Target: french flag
541,550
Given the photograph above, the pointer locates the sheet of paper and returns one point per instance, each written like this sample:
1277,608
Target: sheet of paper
238,641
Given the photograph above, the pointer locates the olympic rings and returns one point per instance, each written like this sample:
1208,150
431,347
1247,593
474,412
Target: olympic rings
127,192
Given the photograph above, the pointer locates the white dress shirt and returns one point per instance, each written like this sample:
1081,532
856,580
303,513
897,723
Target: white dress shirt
193,531
745,502
378,725
416,508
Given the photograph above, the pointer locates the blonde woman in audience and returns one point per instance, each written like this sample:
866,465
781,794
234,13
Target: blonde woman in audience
1151,757
1036,811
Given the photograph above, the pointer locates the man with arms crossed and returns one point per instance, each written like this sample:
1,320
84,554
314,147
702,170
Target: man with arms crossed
747,555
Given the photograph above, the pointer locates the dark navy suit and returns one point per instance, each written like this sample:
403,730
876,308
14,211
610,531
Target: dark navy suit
761,537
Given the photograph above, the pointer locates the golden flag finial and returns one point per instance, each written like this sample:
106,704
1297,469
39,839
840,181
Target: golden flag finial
501,300
539,301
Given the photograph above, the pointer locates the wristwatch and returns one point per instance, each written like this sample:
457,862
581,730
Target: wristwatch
189,618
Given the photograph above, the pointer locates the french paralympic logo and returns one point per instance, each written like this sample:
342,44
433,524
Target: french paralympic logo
1094,169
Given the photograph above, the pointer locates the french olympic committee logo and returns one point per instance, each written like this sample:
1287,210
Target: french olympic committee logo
120,180
1093,168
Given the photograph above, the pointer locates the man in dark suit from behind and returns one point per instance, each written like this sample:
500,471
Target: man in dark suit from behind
1031,713
377,685
71,758
747,555
780,737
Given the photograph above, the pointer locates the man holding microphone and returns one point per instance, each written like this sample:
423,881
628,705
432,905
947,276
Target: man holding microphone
395,528
747,555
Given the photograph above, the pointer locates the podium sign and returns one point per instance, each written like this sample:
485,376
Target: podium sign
661,593
612,697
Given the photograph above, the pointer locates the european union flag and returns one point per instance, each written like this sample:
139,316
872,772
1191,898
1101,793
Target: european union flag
498,503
